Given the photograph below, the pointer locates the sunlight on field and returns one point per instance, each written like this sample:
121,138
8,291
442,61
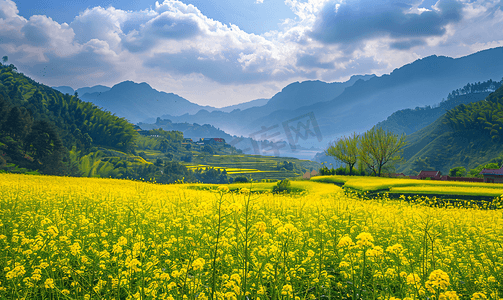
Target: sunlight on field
413,185
85,238
457,190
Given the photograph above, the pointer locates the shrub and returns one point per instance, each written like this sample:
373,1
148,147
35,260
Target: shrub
457,172
282,187
241,179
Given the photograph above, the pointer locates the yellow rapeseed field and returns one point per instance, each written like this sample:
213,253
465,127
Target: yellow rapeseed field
406,185
88,238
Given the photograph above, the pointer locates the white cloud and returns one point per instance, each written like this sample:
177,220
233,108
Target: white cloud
8,9
99,23
177,47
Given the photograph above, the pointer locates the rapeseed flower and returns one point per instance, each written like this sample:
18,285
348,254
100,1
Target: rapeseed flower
165,241
365,239
479,296
345,242
438,280
49,283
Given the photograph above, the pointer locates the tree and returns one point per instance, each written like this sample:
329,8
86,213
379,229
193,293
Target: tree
4,110
476,171
345,150
5,59
282,186
379,147
457,172
420,164
207,149
46,147
18,123
174,171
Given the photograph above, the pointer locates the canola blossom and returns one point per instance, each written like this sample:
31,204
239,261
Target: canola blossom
89,238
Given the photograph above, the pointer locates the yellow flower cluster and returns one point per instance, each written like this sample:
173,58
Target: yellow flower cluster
88,238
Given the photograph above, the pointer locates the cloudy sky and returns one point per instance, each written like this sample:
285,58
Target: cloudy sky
223,52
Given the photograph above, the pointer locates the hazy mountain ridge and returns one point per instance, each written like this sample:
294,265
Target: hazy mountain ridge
193,131
94,89
245,105
83,90
139,101
365,103
293,96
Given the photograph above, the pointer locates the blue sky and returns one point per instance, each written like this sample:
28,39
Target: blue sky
249,15
223,52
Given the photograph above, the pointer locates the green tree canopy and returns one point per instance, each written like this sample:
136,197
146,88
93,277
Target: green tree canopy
457,172
379,148
345,150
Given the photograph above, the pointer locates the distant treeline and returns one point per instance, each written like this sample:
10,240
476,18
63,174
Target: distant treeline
478,87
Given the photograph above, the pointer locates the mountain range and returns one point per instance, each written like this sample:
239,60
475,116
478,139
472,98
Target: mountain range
359,106
310,114
139,102
133,101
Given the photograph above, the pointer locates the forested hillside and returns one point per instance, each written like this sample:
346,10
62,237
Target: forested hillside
409,120
467,135
39,126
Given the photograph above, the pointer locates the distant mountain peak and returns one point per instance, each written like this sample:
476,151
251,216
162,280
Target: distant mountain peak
130,83
139,101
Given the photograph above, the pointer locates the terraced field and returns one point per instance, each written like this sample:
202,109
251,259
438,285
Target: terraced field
256,167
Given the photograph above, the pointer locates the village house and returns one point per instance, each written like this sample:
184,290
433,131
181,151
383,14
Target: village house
437,175
493,175
308,174
211,141
186,141
434,175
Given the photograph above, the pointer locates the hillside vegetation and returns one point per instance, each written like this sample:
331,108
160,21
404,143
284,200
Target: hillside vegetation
467,135
409,120
40,126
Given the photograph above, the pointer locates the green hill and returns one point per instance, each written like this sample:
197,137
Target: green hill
467,135
39,126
